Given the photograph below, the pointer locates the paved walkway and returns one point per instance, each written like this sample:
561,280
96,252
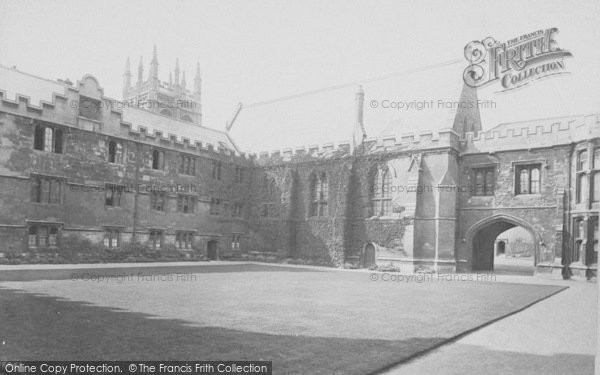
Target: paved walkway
554,336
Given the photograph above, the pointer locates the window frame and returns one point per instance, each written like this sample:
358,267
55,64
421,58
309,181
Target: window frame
488,185
115,155
237,210
112,235
44,190
236,239
187,165
48,138
594,233
528,167
158,197
381,199
186,200
156,236
51,239
579,232
216,169
112,191
215,206
319,195
158,160
186,238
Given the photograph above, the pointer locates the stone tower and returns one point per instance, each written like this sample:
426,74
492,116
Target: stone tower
167,98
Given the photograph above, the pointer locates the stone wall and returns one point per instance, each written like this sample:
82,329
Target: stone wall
84,170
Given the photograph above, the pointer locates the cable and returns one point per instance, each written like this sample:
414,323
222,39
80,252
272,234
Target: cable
354,83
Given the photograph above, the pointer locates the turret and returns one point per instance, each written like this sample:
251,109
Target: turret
198,93
176,72
197,82
126,78
154,65
140,78
176,77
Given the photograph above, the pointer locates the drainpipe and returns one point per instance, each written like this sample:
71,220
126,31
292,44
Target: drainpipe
138,155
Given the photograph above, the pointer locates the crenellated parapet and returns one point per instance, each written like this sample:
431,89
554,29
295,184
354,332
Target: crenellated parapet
533,134
504,137
426,140
59,102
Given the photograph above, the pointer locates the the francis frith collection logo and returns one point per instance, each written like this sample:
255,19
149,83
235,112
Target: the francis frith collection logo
516,62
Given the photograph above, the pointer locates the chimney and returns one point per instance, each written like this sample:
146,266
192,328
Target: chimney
359,134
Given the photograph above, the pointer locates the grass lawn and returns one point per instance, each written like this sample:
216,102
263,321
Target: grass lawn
305,321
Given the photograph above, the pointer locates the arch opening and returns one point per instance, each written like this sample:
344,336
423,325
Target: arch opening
504,246
369,255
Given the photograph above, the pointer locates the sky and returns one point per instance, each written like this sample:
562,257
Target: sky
251,51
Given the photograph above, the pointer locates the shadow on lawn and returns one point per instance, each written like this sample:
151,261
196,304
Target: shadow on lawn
41,327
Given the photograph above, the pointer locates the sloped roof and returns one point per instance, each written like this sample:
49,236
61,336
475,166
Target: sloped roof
14,82
38,89
167,125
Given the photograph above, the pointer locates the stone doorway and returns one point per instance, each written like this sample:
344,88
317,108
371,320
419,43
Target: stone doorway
211,249
369,256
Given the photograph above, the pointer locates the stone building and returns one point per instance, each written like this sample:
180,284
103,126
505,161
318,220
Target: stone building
433,201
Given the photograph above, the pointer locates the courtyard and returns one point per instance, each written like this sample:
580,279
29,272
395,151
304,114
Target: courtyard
306,320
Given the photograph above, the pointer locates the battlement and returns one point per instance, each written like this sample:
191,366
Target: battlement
178,141
533,134
58,103
517,135
406,142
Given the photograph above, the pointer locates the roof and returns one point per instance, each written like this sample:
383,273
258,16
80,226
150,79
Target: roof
167,125
14,82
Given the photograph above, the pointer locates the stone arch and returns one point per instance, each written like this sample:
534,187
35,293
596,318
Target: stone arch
166,112
369,255
495,225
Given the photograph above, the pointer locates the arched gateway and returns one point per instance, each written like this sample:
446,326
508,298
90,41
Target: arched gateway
481,238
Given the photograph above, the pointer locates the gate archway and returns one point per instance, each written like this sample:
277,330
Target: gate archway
481,238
